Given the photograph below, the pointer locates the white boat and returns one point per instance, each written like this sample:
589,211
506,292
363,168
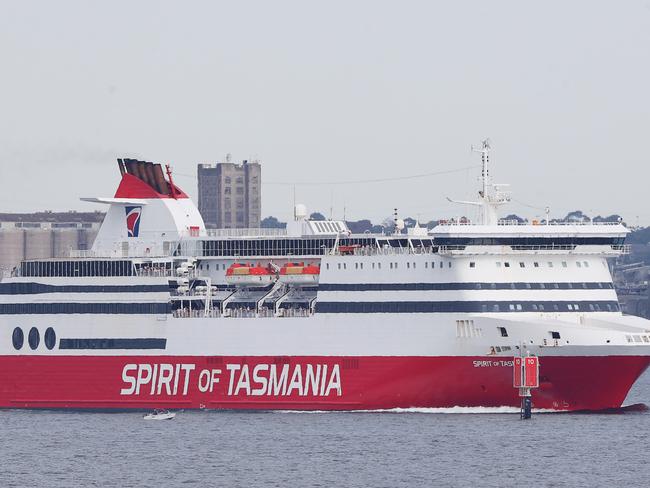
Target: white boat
160,415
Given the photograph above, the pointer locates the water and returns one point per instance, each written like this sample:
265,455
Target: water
419,448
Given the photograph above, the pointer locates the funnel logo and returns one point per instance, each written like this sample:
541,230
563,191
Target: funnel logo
133,220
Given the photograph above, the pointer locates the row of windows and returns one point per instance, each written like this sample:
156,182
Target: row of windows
465,306
536,264
36,288
77,268
68,308
391,265
113,343
604,285
529,241
278,247
34,338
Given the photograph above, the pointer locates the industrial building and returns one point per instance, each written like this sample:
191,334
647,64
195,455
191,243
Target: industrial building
230,194
44,235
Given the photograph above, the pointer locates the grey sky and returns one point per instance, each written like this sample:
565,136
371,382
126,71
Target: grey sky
328,91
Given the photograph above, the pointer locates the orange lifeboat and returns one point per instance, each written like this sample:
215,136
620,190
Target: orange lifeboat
299,274
248,275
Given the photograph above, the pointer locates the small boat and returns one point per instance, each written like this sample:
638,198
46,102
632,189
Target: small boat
246,275
160,415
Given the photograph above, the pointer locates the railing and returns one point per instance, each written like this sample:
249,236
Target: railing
505,249
254,232
380,251
536,223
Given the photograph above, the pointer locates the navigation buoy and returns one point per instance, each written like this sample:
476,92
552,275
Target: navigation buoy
526,377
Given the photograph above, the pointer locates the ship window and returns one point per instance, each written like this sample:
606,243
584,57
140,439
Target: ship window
528,286
50,338
361,265
426,265
519,308
534,307
542,286
413,265
33,338
569,306
493,286
536,264
541,307
550,264
408,265
503,331
576,306
609,307
339,265
564,265
345,266
449,264
378,265
18,338
498,263
586,264
373,265
506,264
556,307
522,265
554,334
391,265
597,307
512,307
472,264
556,285
495,307
356,265
395,265
578,264
591,307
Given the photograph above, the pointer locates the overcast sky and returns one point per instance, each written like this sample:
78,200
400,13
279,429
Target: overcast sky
331,91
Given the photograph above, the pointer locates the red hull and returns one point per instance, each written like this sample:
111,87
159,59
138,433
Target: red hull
321,383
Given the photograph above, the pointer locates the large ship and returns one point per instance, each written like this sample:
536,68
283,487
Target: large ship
162,313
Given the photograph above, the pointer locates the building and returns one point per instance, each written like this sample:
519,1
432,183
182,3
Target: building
44,235
230,194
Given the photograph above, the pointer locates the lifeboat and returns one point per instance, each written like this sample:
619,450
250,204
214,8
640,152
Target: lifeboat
248,275
299,274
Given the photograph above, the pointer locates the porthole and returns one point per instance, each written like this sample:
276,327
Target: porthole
18,338
50,338
33,338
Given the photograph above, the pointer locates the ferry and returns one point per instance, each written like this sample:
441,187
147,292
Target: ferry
164,313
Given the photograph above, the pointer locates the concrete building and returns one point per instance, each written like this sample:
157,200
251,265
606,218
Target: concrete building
44,235
230,195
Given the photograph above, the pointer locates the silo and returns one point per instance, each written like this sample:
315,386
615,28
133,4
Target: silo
38,243
87,236
12,243
64,240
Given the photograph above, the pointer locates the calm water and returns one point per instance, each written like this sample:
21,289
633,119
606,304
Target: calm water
326,449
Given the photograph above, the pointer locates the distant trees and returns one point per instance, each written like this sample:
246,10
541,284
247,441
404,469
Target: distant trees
272,223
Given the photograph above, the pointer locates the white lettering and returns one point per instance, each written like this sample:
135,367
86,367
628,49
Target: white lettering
260,379
278,385
142,379
335,381
312,378
128,379
204,374
296,381
153,379
165,378
187,368
232,368
244,381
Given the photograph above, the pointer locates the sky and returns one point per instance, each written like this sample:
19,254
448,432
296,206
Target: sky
332,92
